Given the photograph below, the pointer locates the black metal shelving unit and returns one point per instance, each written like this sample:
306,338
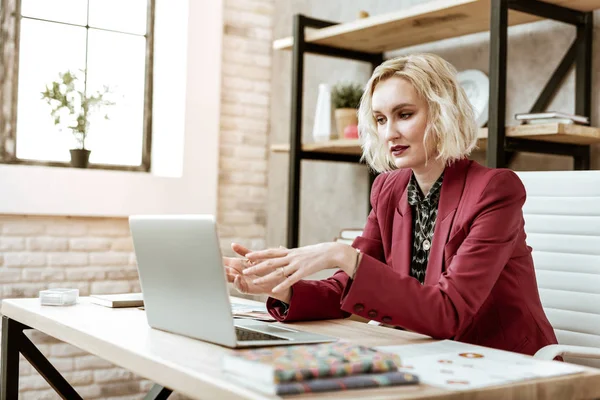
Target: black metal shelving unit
499,147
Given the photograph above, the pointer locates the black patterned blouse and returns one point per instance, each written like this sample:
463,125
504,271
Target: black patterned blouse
424,211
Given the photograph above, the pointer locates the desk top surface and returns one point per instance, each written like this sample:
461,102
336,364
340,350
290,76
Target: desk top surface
193,367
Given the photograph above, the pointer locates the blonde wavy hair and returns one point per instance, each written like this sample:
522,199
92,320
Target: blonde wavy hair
450,120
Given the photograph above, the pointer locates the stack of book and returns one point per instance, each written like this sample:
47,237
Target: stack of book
315,368
348,235
552,117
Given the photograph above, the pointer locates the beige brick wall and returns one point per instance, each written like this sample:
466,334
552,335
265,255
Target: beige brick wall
245,108
95,255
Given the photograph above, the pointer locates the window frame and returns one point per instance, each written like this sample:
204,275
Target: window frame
9,69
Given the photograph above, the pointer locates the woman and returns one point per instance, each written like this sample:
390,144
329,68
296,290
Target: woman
443,252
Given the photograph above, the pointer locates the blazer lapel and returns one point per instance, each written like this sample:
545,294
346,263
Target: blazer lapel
452,188
406,234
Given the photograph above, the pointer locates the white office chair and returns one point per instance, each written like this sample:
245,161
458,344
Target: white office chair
562,222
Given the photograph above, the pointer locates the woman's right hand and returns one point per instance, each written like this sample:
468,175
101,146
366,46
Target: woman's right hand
244,283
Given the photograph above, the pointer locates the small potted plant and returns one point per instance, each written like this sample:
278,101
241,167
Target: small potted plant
71,109
346,99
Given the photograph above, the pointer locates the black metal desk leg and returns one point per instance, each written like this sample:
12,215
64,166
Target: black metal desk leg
158,392
14,342
46,369
11,330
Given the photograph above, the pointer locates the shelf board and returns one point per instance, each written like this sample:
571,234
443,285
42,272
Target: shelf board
556,132
340,146
419,24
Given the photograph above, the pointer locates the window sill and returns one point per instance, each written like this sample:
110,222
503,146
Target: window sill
58,164
36,190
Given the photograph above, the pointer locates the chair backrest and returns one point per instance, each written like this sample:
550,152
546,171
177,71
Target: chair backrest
562,222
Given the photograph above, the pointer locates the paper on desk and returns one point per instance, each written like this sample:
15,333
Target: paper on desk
459,366
257,312
241,307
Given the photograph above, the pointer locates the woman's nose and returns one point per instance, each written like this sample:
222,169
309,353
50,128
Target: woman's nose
391,131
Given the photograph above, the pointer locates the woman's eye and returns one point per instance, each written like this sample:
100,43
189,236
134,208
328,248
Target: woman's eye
405,115
380,120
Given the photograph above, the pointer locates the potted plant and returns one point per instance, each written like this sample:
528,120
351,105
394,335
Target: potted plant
71,109
346,99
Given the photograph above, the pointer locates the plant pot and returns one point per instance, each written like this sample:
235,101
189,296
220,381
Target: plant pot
80,158
343,118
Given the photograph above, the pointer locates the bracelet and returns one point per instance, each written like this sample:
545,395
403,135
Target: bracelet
356,264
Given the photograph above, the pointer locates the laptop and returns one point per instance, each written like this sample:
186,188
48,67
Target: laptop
185,287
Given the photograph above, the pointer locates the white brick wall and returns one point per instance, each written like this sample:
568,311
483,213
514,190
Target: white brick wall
245,108
95,255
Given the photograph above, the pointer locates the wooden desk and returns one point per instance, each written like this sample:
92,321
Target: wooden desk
193,368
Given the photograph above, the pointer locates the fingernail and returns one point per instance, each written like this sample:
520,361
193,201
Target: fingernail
247,271
257,281
276,289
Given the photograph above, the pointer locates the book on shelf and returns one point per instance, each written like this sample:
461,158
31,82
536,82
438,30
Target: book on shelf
352,233
342,240
349,382
551,117
118,300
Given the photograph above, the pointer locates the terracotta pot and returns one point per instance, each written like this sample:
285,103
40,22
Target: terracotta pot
80,158
343,118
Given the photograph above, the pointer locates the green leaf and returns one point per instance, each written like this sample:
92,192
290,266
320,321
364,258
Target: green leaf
346,95
63,96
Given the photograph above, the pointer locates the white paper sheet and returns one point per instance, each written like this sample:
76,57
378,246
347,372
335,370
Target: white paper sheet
257,312
241,307
459,366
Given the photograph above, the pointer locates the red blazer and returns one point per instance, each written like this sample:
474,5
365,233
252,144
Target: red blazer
480,284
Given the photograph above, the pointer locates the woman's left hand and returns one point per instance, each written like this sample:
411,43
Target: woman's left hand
296,264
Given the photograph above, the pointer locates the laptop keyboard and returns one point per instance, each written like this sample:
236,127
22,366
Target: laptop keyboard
247,335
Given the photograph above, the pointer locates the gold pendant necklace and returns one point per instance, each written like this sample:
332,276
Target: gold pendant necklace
426,243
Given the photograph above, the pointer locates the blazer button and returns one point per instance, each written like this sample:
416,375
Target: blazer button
386,320
358,308
372,314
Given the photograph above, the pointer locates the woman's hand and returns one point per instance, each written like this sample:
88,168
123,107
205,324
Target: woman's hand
244,283
284,267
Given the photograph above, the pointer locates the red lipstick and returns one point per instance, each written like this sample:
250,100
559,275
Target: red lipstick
398,149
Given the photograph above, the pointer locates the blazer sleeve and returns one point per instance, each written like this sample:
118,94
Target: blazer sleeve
312,299
447,308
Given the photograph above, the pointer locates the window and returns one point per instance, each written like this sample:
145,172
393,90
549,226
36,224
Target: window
106,43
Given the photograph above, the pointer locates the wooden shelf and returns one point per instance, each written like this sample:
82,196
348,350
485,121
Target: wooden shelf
558,133
422,23
341,146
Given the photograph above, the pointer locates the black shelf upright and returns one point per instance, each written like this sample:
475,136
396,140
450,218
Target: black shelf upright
500,149
300,48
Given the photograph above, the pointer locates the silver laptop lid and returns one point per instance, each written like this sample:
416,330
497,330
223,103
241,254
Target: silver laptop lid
182,276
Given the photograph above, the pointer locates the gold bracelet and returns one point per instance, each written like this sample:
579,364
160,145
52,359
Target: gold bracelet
356,264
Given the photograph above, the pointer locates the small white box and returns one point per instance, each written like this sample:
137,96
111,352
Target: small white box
59,297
